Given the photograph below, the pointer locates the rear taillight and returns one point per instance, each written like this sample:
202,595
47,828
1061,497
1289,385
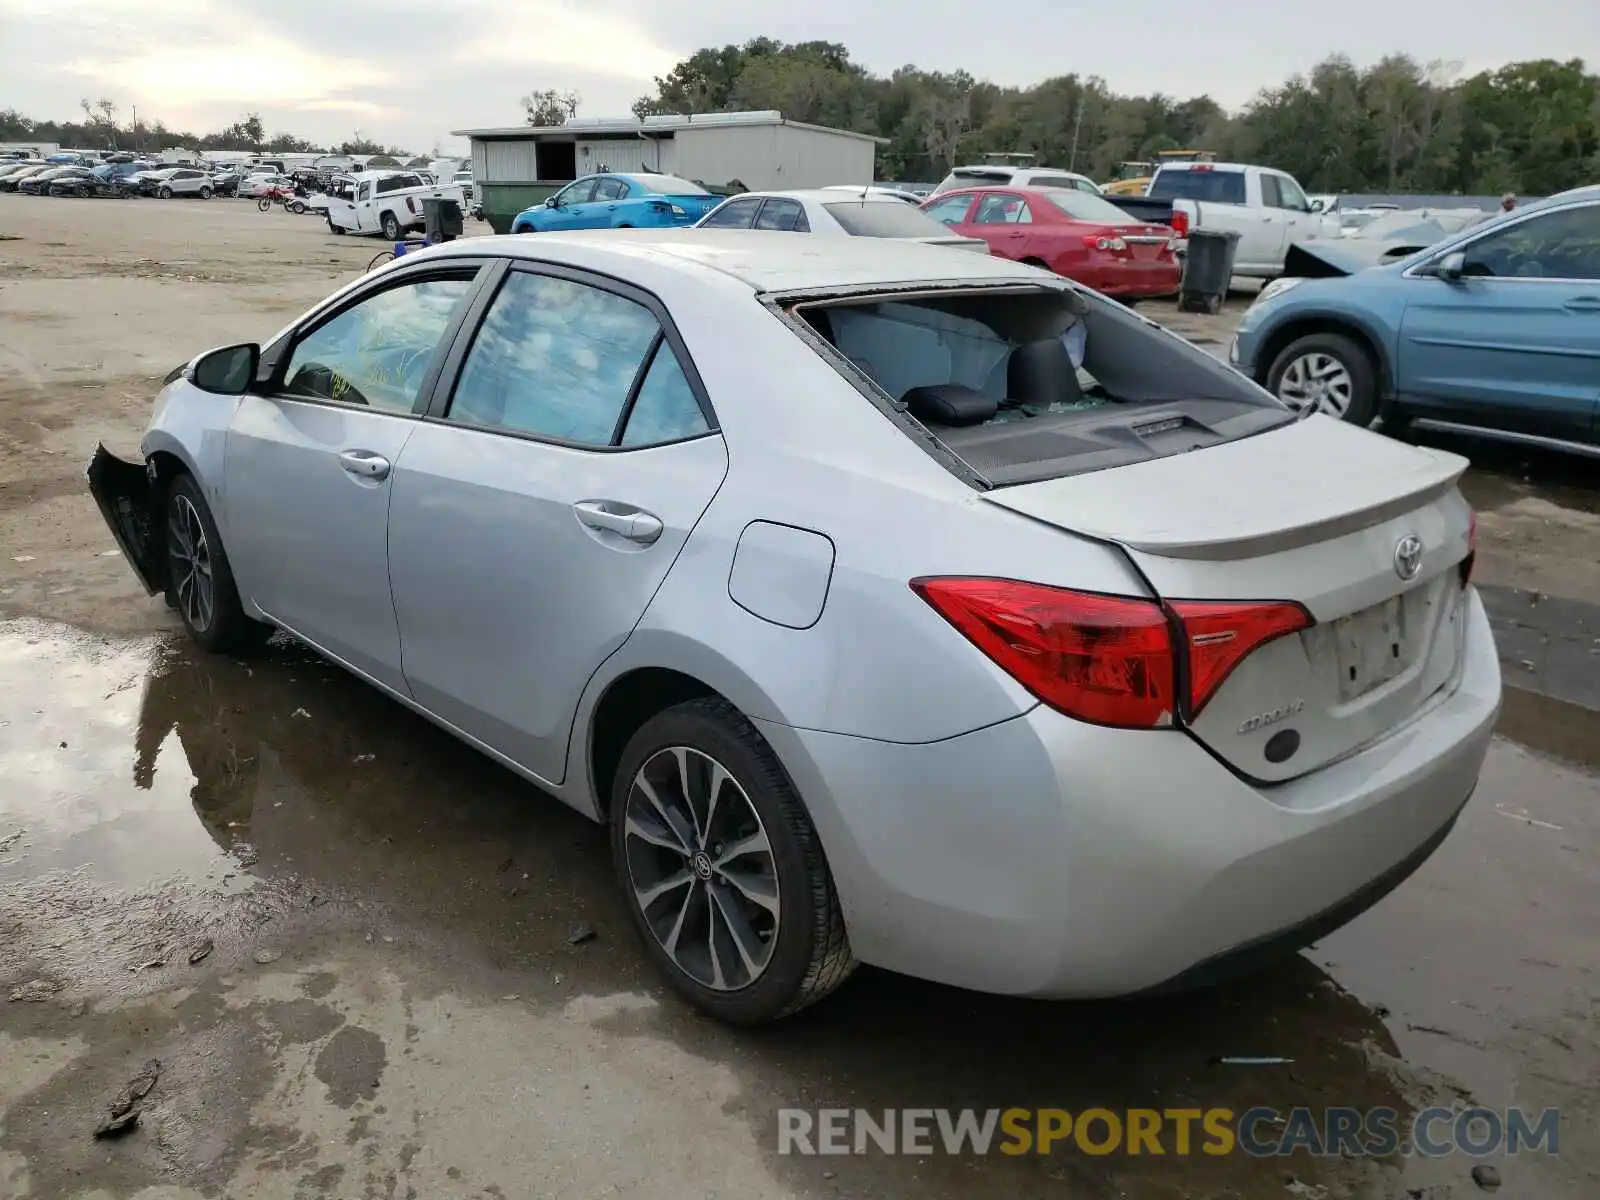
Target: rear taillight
1470,560
1221,634
1109,660
1180,223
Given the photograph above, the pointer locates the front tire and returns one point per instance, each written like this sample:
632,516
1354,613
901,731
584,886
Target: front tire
1327,373
721,868
200,581
390,226
297,207
164,192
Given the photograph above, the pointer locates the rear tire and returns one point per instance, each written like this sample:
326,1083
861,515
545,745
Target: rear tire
205,193
390,226
794,933
200,581
1327,373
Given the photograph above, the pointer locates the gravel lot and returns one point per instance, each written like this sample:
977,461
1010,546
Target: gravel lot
386,999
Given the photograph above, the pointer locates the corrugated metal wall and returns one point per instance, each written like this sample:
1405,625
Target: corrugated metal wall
504,162
617,154
772,156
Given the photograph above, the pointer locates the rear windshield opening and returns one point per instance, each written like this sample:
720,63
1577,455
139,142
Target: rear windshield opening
1021,386
1216,187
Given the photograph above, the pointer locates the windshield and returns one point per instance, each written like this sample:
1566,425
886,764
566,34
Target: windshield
1081,206
1217,187
671,185
879,217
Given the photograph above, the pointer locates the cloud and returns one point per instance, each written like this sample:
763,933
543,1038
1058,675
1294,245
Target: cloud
410,70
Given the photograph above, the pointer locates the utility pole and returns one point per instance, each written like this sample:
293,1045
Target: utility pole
138,142
1077,126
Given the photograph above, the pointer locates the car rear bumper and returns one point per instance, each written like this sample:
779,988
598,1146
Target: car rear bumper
1045,857
1138,279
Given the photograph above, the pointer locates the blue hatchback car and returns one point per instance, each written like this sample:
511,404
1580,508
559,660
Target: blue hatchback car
615,201
1496,328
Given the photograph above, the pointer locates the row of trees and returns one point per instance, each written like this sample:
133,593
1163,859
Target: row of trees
102,128
1398,125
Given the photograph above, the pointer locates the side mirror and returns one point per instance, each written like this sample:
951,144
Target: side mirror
1451,267
551,202
1316,206
226,372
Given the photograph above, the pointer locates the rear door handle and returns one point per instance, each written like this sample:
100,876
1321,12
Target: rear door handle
1584,304
623,520
364,464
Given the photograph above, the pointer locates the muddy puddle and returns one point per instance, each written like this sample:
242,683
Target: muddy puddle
422,902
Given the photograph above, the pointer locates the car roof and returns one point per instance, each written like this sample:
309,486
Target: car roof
764,261
821,196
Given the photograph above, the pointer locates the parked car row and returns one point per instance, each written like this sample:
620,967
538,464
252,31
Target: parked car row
1073,232
113,179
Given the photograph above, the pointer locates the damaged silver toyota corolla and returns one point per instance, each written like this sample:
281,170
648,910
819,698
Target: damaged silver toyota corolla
890,604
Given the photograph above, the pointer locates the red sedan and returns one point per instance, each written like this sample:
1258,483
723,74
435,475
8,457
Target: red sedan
1086,238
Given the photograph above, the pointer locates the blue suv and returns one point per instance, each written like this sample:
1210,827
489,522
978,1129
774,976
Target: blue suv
1496,328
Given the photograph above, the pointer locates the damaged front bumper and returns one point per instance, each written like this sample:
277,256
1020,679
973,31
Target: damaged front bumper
124,492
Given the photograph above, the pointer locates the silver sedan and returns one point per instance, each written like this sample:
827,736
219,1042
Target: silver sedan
889,605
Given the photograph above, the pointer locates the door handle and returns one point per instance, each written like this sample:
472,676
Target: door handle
1584,304
632,523
364,464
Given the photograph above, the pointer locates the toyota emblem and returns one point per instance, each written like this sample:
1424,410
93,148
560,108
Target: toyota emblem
1408,557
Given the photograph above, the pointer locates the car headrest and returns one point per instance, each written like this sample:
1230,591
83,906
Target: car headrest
1042,373
949,404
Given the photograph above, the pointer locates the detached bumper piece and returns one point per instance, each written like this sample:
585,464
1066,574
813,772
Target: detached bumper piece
122,490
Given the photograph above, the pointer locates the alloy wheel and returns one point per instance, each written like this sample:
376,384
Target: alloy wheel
1318,382
702,868
189,558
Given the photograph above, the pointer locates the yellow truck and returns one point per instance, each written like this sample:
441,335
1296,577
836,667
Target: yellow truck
1133,178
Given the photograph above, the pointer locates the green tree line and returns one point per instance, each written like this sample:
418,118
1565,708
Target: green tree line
103,129
1396,126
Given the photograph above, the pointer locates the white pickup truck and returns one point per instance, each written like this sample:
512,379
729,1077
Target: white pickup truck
386,202
1267,208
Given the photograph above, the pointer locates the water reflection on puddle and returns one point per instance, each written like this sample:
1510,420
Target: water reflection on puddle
90,781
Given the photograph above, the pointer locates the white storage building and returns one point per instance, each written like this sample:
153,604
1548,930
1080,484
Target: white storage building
519,165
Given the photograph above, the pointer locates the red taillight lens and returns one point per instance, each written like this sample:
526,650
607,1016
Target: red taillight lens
1223,633
1104,659
1108,659
1180,224
1468,562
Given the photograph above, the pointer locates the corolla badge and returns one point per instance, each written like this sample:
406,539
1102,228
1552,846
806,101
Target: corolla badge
1408,557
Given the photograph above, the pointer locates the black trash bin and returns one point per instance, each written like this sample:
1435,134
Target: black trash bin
441,217
1207,267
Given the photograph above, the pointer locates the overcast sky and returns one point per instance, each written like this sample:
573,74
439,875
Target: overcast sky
398,73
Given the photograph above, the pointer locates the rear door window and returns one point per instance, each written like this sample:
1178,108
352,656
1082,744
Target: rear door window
779,213
1002,208
609,189
735,214
565,360
1207,186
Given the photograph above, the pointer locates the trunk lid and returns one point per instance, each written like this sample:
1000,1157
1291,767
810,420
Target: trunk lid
956,241
1320,513
1146,243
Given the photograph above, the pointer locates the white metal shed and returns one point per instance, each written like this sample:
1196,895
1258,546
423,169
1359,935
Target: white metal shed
516,166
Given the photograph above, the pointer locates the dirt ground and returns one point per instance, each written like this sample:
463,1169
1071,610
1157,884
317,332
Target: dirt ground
390,996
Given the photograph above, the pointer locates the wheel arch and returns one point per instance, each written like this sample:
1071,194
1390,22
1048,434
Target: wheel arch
652,672
1344,326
